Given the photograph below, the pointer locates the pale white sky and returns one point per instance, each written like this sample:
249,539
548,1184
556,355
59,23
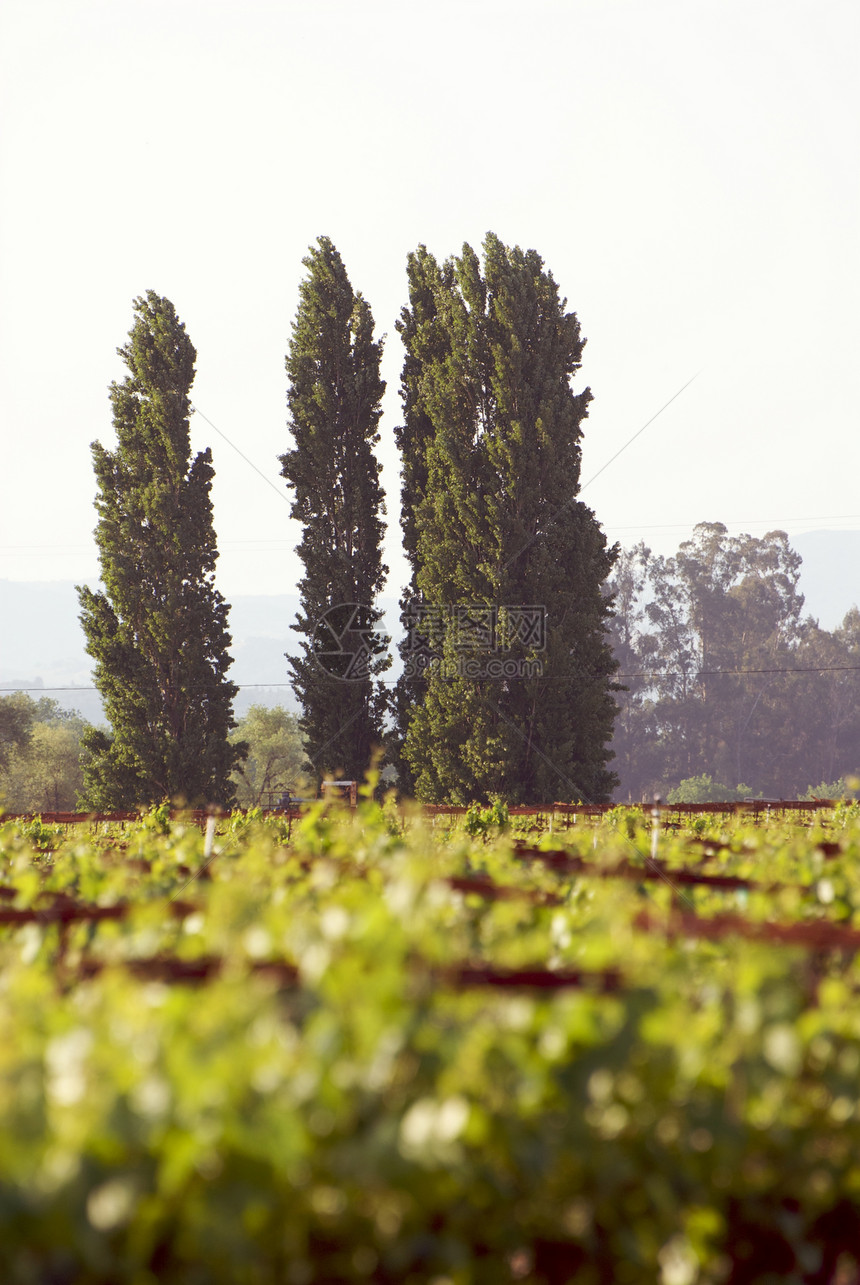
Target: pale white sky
688,170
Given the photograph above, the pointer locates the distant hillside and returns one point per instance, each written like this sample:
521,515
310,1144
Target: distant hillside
260,628
42,644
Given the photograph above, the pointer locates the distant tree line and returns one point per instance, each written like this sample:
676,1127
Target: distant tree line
725,676
42,756
538,663
506,604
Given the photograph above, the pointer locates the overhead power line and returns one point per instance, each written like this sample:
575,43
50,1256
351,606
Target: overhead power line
573,498
638,433
562,678
195,410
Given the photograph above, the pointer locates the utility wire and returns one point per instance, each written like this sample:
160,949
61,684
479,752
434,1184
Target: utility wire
547,678
573,498
639,433
195,410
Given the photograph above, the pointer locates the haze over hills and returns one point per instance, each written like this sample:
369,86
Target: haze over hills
42,643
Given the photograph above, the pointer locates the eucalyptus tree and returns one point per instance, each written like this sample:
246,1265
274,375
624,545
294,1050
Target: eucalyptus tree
716,633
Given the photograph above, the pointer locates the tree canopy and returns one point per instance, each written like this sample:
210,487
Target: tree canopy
491,444
725,677
40,769
16,724
334,397
158,628
276,756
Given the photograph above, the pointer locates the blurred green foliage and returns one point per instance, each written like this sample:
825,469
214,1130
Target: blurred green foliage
370,1120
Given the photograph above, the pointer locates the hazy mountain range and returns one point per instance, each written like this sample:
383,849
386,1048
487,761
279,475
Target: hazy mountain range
42,644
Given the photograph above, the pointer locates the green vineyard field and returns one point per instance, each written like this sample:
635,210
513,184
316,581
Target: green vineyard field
386,1046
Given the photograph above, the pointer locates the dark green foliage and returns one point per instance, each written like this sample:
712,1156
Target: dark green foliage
334,409
426,341
158,630
491,449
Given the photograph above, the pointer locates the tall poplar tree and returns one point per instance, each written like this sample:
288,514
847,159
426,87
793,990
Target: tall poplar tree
158,629
492,444
334,397
426,342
